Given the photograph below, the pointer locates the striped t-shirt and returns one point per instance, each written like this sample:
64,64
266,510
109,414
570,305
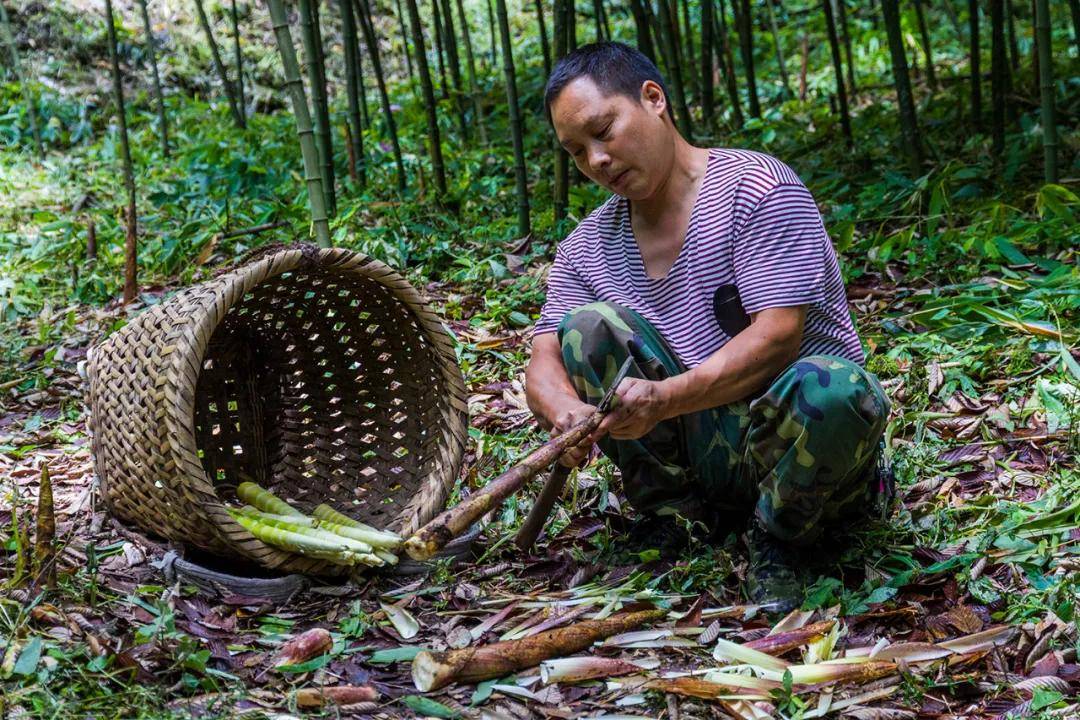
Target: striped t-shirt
754,226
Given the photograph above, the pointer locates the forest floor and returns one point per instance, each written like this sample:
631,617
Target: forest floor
984,536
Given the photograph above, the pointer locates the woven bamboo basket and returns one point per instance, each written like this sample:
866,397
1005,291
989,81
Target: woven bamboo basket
322,375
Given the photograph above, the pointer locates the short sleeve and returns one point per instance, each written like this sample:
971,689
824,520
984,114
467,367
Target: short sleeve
566,290
781,251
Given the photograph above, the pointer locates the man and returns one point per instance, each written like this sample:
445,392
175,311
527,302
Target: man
711,268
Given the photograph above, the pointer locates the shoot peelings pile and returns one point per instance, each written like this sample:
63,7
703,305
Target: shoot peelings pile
326,535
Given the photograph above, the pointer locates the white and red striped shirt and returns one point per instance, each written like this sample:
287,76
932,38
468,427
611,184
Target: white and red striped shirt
754,225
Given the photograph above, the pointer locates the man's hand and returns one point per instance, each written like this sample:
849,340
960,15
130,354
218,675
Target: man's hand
567,418
639,405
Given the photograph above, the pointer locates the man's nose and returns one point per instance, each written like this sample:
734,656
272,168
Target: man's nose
598,159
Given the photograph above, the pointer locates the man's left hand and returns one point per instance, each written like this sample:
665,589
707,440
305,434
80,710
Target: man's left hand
639,405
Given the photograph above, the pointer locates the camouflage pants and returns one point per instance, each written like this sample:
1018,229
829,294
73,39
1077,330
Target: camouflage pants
799,455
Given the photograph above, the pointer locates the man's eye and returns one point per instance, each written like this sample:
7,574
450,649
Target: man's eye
605,132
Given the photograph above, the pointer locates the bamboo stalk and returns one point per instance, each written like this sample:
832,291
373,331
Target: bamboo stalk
845,37
316,71
368,28
517,123
357,167
238,59
295,88
671,57
909,125
434,670
1046,90
779,48
838,69
474,86
219,66
159,95
561,189
451,523
545,46
450,43
434,139
28,96
130,233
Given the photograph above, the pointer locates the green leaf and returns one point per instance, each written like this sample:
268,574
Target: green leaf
392,655
1044,698
1010,252
429,707
881,594
483,691
28,658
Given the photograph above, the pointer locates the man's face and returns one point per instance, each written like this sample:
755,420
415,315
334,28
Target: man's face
620,143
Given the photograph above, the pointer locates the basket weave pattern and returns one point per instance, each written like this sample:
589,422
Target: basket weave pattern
321,375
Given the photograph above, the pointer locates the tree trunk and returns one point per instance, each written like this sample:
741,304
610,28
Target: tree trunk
924,35
1074,9
434,141
804,59
598,16
361,88
405,41
28,96
687,43
562,161
219,66
1014,52
974,64
440,56
1046,89
671,53
517,130
845,38
745,28
779,48
908,123
357,165
998,71
450,43
544,46
838,69
295,88
312,57
159,96
368,28
491,27
239,59
707,102
724,51
131,238
474,86
571,27
641,26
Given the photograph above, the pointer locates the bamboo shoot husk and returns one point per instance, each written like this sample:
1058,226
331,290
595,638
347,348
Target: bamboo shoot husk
433,670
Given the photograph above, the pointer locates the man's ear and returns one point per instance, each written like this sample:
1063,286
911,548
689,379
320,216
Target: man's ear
652,96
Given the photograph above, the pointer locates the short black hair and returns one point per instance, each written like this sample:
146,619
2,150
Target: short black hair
615,67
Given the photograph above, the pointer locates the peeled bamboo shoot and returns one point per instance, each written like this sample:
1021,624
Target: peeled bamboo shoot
372,537
303,544
328,514
265,500
285,522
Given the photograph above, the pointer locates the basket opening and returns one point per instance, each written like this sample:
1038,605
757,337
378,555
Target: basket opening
321,386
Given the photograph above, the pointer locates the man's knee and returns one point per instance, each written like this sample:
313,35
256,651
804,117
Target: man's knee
839,394
588,333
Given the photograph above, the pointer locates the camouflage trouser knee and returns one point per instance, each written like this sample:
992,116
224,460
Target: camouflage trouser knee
799,455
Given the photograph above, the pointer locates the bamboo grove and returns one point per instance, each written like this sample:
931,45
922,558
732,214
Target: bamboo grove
434,51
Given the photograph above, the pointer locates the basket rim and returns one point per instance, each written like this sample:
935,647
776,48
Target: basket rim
233,285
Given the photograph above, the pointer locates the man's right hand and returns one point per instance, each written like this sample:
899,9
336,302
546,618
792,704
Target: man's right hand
567,418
